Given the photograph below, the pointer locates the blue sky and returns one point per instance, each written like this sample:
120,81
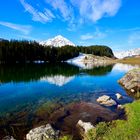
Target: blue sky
115,23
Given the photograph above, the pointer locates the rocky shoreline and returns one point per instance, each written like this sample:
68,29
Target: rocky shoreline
131,82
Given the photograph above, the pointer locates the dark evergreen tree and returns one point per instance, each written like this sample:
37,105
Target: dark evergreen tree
14,51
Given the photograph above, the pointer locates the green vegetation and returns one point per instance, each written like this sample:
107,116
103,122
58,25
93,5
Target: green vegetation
133,60
128,129
98,50
47,108
99,71
33,72
94,134
66,138
29,51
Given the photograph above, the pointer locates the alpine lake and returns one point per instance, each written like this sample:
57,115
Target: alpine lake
60,94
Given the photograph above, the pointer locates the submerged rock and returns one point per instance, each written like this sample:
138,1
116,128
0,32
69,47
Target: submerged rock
131,81
66,119
8,138
119,96
44,132
120,107
86,126
106,100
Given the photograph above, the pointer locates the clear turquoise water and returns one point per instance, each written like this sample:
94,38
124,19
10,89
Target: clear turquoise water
34,84
36,94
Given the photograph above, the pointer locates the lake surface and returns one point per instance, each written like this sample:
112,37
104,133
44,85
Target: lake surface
31,93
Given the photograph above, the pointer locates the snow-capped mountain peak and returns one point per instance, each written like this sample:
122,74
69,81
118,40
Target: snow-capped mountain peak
57,41
129,53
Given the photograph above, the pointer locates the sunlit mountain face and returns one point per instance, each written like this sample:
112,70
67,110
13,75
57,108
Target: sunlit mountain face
57,41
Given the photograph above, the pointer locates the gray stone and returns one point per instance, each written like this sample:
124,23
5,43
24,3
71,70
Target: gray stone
44,132
131,81
86,126
106,100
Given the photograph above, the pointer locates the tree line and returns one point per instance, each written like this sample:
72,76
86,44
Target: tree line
99,50
29,51
33,72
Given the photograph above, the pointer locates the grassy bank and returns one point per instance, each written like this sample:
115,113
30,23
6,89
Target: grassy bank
128,129
135,60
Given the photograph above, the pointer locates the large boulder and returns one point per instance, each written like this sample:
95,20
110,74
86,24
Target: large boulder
106,101
86,126
131,81
44,132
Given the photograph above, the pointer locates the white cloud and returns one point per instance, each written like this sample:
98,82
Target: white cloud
96,9
74,11
96,35
43,17
60,5
22,28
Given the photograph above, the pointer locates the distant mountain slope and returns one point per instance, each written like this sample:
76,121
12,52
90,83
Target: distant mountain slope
57,41
128,53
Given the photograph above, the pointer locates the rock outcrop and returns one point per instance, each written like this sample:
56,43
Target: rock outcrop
44,132
106,100
86,126
88,61
131,81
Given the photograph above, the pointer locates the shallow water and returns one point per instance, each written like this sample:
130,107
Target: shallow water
24,89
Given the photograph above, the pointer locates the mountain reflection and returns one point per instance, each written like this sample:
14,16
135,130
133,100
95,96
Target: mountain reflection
58,74
58,80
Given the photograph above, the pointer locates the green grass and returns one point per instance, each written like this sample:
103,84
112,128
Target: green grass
130,60
66,138
119,129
